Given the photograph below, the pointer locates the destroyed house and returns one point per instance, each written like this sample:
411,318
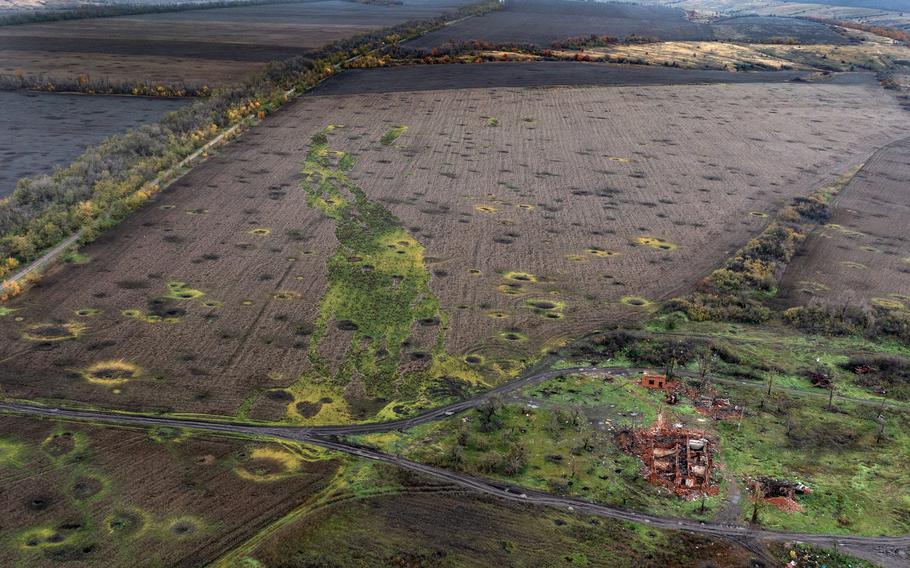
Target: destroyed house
653,381
680,460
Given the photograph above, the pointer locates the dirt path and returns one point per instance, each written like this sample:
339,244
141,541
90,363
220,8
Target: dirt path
888,551
164,179
731,512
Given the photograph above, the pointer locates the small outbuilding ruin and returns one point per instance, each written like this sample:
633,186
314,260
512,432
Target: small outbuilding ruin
653,381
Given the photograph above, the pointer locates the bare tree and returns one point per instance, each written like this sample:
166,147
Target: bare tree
758,497
704,358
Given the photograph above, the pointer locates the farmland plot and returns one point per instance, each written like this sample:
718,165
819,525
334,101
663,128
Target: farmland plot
411,528
368,255
763,28
73,122
862,255
537,74
80,495
213,47
541,23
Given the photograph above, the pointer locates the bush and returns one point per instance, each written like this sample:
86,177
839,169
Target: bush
719,307
873,322
733,292
878,373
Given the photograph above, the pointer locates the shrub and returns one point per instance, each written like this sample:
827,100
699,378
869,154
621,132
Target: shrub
9,289
733,292
848,319
719,307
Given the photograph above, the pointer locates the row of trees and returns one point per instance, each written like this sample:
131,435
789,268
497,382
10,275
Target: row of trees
734,292
107,182
850,319
90,86
891,33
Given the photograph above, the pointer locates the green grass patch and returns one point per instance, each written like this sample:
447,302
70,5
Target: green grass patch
378,283
560,441
853,475
392,134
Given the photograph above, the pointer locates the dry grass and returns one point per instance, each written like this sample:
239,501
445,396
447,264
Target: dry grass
691,55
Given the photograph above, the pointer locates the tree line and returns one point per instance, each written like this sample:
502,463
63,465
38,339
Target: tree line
109,181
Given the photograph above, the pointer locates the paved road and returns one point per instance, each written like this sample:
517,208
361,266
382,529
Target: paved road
887,551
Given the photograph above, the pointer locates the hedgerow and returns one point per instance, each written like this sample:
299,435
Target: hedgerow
870,321
735,291
109,181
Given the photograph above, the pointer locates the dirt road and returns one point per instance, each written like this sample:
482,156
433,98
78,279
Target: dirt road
887,551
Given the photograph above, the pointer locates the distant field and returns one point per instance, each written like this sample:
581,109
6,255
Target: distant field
747,57
536,74
30,122
81,495
491,231
856,10
895,5
214,47
862,255
542,23
762,28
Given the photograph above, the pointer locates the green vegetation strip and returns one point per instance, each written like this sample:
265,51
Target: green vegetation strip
378,284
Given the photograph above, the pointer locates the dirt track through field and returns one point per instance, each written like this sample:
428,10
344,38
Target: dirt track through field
519,194
889,551
862,255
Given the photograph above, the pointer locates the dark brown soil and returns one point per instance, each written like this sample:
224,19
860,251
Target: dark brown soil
863,255
214,47
308,409
75,123
60,444
127,481
535,74
542,22
86,487
765,28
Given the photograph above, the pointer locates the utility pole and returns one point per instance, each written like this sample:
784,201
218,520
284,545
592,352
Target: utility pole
881,420
881,408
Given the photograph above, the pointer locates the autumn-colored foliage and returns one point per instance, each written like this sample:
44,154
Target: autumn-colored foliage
9,289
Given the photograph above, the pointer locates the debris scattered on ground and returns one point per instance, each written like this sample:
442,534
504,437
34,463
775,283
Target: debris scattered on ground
781,493
674,457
